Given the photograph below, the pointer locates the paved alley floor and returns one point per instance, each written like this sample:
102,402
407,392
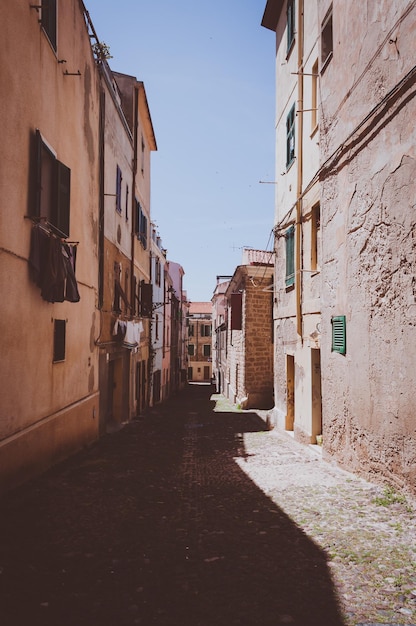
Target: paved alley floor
196,515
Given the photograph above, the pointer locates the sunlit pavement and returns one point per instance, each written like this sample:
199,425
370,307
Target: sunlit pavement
162,523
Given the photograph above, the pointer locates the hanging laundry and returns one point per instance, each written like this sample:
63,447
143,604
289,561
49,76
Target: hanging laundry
52,266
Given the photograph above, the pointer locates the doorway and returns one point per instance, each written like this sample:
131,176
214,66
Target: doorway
316,393
290,392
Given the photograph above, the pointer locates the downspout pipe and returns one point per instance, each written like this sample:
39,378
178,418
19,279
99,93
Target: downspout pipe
299,161
133,198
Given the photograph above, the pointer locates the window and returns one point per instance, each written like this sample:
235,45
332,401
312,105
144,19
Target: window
191,330
339,334
206,349
314,103
48,20
127,203
205,330
191,349
157,327
290,14
236,311
143,147
141,225
59,332
290,256
316,237
290,137
157,271
53,183
119,178
327,44
146,299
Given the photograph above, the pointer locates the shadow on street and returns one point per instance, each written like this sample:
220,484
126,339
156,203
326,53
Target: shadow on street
157,525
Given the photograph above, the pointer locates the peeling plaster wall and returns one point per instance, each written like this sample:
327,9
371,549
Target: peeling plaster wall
369,240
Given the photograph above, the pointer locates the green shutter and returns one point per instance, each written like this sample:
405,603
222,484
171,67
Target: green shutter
339,335
290,256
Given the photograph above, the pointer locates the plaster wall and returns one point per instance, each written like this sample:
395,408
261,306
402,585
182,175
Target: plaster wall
368,220
37,395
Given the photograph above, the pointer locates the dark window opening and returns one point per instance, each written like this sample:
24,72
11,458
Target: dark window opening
327,44
48,20
59,332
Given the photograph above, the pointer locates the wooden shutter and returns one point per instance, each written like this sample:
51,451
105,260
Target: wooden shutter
236,311
339,335
146,295
290,256
63,182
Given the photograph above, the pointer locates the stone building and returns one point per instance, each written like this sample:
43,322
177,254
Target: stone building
125,297
248,371
219,332
49,177
200,342
75,243
297,306
345,165
368,167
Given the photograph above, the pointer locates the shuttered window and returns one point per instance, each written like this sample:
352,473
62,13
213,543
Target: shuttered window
339,335
141,225
290,137
290,256
118,189
146,296
53,188
290,14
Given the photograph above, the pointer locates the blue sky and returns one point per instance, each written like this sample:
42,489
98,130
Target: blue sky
208,71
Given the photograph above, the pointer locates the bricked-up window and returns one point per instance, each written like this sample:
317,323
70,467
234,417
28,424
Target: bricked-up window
59,339
290,14
290,137
339,334
53,187
290,256
48,20
206,349
327,44
236,311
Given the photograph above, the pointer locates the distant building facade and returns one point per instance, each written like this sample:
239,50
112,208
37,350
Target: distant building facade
247,378
200,342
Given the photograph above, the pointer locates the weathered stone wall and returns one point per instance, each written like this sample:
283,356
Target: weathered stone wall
259,341
369,243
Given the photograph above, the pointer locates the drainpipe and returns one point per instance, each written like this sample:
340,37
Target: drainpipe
299,161
133,192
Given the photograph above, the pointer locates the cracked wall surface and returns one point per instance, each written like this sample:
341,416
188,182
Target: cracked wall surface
369,241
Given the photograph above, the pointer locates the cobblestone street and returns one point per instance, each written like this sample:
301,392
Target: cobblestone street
196,515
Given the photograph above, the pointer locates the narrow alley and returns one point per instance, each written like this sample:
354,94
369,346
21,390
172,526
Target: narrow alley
196,515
